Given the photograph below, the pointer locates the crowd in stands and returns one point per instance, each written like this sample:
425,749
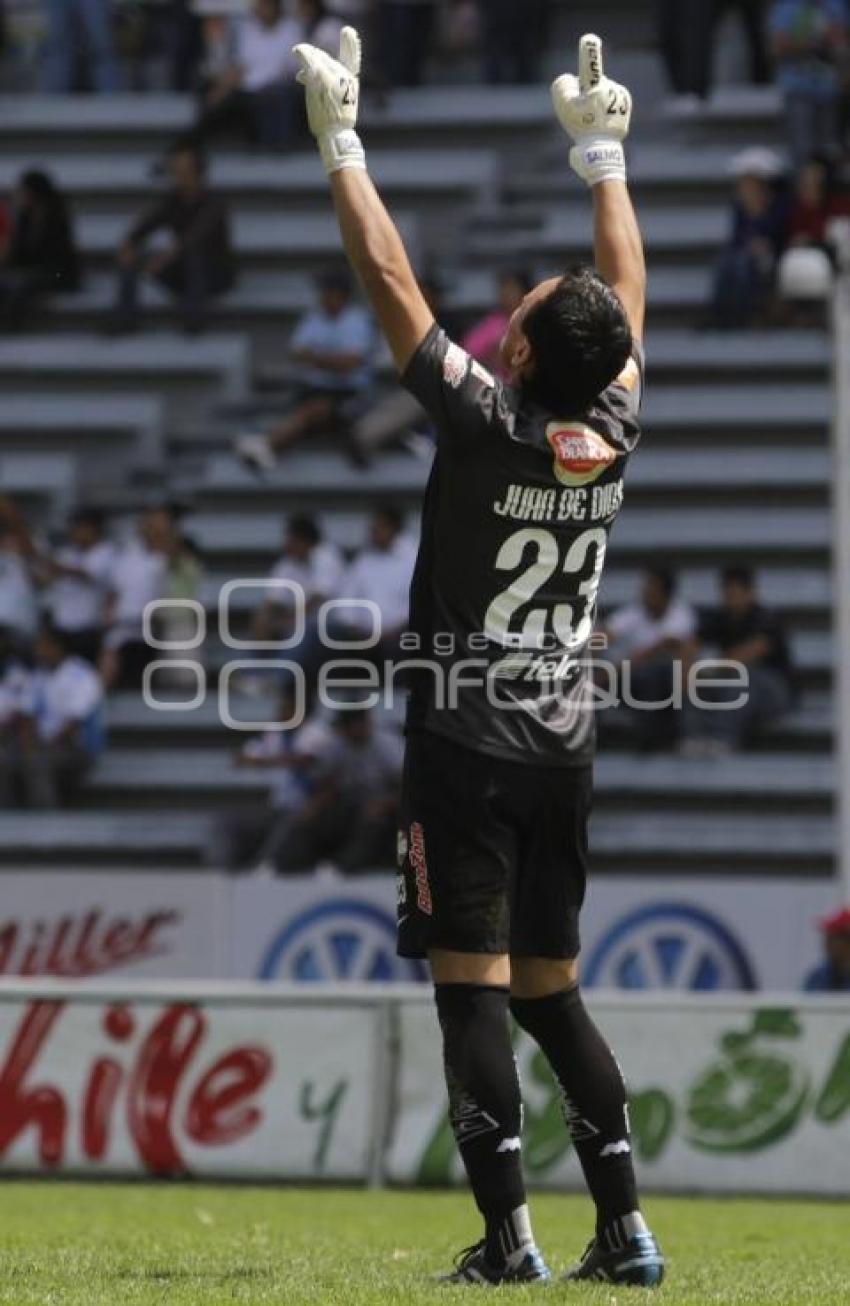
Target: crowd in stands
237,53
656,641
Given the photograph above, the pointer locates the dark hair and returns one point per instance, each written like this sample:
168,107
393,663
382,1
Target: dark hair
521,276
336,279
187,146
390,514
738,575
664,577
580,340
303,528
55,635
94,517
40,184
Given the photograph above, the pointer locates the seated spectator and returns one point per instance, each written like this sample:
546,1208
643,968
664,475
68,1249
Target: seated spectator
483,341
57,731
67,22
18,598
404,39
687,35
833,974
745,273
396,416
350,819
255,95
77,576
250,838
308,562
817,202
138,576
648,638
741,631
39,256
196,263
514,35
809,40
380,575
332,351
13,679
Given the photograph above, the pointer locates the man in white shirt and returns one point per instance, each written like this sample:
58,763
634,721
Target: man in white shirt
648,639
380,575
58,729
136,578
78,574
308,572
257,95
18,601
332,352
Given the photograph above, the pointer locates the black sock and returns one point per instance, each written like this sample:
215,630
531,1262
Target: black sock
594,1105
486,1109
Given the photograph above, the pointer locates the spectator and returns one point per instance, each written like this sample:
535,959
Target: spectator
483,341
745,274
514,35
309,563
816,204
687,31
405,31
18,601
13,678
138,577
67,21
255,94
332,351
78,576
350,819
810,43
833,974
57,731
251,838
380,575
651,636
39,255
396,415
741,631
196,264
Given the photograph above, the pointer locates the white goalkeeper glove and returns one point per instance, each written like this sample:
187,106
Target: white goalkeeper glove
596,113
333,97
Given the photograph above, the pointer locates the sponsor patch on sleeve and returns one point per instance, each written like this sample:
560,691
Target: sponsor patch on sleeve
455,366
630,375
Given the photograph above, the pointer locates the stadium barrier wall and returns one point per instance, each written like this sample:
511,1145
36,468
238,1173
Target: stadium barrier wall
639,932
296,1083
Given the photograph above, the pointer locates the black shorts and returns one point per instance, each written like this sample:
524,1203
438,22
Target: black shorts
492,854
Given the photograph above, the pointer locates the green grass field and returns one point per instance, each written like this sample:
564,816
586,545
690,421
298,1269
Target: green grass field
119,1244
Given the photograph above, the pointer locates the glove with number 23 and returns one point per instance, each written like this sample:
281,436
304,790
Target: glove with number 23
596,113
333,98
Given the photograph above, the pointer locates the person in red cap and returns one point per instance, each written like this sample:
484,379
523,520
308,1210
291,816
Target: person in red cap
833,974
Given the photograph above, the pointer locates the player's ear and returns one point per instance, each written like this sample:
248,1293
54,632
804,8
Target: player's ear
521,358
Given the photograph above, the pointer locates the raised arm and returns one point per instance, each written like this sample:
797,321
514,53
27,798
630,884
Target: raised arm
618,249
371,239
596,113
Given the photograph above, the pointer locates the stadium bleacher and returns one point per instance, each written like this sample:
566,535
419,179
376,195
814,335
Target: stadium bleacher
735,466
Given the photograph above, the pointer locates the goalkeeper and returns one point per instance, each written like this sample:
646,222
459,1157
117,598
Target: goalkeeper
526,484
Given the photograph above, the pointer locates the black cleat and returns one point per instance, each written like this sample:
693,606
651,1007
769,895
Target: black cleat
472,1266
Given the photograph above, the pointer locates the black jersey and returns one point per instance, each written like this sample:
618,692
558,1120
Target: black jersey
515,527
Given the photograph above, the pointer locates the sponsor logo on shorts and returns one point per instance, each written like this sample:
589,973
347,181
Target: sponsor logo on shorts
455,366
420,869
581,455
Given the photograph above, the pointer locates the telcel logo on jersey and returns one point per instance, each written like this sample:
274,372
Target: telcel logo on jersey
581,455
